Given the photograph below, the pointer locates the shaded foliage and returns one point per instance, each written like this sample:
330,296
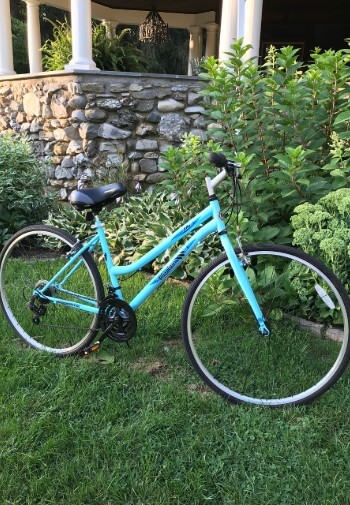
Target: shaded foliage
108,53
19,42
170,57
22,198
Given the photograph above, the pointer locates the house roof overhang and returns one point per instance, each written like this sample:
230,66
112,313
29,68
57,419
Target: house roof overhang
176,6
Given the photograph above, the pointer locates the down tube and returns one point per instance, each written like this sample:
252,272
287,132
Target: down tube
174,262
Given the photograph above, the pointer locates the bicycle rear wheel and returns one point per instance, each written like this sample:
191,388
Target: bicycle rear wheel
29,260
307,311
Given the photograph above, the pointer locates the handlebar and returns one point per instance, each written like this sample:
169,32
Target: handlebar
232,168
218,159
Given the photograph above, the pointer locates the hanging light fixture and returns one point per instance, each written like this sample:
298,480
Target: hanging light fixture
153,30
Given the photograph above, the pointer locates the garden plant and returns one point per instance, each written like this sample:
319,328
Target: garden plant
114,53
23,199
286,122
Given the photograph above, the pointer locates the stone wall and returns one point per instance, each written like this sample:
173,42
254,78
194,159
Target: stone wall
101,124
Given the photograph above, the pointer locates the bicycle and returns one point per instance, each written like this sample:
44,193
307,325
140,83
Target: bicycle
261,324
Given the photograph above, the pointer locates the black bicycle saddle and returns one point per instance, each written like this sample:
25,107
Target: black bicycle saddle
96,198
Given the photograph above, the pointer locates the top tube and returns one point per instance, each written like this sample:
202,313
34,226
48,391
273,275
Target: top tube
165,244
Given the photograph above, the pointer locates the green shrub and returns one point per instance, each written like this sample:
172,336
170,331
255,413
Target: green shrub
187,167
137,225
283,116
68,218
19,42
116,53
22,198
323,230
58,52
108,53
143,221
288,125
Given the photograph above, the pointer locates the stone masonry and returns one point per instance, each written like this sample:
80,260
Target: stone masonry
101,124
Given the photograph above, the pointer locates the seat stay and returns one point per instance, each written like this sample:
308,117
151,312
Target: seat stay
70,264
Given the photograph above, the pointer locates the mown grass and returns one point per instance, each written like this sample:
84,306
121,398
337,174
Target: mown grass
143,429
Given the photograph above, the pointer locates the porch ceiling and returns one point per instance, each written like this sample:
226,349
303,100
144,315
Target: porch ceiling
176,6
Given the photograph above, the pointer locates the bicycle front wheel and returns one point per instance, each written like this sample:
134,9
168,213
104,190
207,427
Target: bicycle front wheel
31,258
307,311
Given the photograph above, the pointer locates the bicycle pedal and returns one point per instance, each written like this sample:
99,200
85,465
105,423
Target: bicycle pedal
90,349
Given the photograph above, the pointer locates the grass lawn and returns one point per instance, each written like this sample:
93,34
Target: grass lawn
144,430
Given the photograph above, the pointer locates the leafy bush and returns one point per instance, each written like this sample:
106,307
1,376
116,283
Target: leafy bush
286,123
58,52
187,167
143,221
283,116
19,41
134,227
22,197
108,53
323,230
68,218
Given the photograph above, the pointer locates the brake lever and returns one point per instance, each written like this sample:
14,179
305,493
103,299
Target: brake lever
233,168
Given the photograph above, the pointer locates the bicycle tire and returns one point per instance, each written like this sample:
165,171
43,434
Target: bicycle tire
307,310
31,258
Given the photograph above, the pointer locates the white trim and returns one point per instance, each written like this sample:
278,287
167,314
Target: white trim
133,17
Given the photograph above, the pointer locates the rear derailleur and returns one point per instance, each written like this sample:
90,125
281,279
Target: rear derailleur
38,304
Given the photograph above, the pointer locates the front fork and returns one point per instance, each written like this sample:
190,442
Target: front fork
236,263
241,276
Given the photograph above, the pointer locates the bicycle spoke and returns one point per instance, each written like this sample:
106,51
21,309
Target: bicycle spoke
34,257
227,348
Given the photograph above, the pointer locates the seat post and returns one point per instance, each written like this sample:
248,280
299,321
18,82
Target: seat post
98,224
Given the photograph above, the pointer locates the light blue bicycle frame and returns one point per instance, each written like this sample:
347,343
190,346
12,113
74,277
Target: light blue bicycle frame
208,221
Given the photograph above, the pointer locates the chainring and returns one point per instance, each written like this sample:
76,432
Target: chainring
117,319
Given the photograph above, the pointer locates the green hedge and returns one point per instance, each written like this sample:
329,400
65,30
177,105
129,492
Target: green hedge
22,198
323,230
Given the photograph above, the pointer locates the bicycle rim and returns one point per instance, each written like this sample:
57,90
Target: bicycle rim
31,259
307,312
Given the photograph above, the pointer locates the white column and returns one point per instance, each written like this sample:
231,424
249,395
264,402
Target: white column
228,29
81,36
240,18
252,26
194,48
6,53
210,46
110,27
33,36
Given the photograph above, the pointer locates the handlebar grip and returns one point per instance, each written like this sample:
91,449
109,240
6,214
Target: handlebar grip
218,159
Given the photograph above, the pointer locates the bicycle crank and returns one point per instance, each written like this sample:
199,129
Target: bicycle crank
117,320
